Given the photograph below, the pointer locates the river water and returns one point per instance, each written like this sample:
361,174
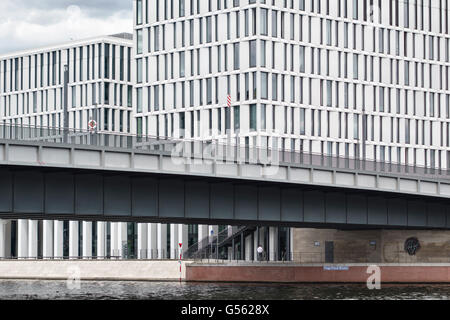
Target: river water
87,290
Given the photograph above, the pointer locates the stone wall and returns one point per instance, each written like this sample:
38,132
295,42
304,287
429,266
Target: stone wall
369,246
92,270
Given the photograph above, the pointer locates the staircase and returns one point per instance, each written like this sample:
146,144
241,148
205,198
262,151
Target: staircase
208,247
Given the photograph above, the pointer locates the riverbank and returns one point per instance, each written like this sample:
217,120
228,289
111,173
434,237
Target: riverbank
319,273
224,271
99,270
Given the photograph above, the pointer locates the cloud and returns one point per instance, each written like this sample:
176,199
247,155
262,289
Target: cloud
26,24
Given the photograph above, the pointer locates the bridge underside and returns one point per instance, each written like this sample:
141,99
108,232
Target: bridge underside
69,194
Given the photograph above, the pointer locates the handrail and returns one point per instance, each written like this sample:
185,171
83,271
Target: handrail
301,257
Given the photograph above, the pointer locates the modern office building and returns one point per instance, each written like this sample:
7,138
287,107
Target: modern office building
359,79
99,85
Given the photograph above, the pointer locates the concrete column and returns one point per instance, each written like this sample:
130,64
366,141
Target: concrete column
87,239
183,237
73,240
233,249
142,240
230,231
122,237
162,241
255,245
243,255
58,240
101,240
33,239
113,240
22,238
202,234
8,239
291,244
47,239
248,248
273,243
3,238
173,241
152,240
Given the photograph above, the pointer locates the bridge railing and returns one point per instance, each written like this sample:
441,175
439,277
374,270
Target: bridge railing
214,150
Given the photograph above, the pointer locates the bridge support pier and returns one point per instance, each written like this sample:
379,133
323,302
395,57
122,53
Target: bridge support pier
202,234
22,239
58,240
255,244
173,241
87,240
3,238
122,239
142,241
273,243
248,248
47,241
113,242
33,239
152,241
73,239
101,240
162,240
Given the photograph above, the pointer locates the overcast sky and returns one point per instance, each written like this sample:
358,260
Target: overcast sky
26,24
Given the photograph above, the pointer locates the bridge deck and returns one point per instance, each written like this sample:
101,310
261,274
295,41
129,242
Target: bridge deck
90,176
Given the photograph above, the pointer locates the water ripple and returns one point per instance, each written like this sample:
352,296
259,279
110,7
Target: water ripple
109,290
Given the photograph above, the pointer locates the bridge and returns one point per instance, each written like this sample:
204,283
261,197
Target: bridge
57,174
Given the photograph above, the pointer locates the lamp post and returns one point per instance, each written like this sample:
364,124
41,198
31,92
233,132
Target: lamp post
66,104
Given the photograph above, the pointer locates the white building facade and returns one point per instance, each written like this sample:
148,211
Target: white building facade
99,85
359,79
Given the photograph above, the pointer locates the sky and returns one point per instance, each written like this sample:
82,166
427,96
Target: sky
27,24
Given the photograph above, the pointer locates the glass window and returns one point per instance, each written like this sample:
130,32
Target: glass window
139,70
264,85
139,41
302,121
253,117
237,118
264,28
181,8
139,12
182,64
139,100
236,56
252,53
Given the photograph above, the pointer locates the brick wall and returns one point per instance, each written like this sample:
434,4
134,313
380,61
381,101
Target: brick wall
369,246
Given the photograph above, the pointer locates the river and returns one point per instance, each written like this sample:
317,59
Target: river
101,290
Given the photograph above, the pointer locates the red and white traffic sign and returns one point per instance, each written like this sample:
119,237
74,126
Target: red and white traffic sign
92,125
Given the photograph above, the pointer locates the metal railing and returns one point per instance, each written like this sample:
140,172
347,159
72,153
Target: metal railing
233,150
211,245
304,257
